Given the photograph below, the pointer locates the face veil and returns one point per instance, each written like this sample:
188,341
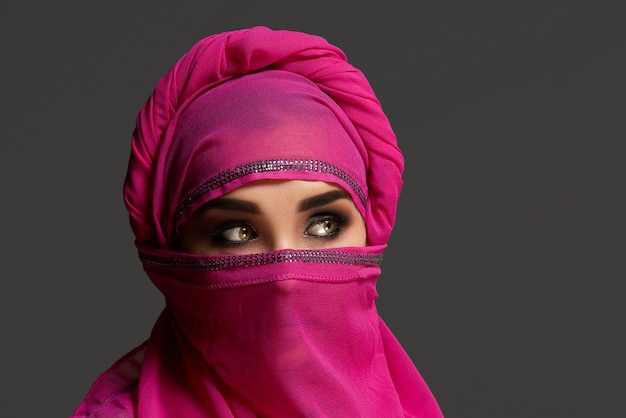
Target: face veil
281,334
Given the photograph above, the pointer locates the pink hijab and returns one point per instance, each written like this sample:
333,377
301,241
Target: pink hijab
282,334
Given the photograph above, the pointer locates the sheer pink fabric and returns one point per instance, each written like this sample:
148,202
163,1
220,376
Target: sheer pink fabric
292,333
267,125
222,57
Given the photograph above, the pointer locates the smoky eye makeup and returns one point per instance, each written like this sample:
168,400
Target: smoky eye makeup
232,233
253,224
326,225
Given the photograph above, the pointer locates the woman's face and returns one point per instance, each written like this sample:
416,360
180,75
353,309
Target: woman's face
270,215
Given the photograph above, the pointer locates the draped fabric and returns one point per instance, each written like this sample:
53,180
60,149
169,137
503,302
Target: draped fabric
289,333
267,125
221,57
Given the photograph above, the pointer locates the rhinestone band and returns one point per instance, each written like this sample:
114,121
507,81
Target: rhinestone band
250,260
265,166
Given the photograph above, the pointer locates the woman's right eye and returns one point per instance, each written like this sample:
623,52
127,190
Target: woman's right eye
236,234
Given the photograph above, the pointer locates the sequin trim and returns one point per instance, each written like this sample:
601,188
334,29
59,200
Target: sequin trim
265,166
251,260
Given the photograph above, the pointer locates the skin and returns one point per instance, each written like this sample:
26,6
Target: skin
269,215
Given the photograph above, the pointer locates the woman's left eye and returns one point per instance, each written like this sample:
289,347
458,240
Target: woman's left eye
323,227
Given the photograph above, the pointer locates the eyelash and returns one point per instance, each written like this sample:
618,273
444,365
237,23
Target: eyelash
218,235
339,223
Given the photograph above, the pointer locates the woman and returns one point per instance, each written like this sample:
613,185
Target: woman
262,189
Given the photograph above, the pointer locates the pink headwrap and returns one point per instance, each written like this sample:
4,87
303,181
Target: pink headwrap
287,333
219,58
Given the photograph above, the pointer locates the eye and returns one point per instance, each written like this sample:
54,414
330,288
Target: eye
238,234
323,226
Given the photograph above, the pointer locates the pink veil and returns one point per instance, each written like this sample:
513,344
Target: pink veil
282,334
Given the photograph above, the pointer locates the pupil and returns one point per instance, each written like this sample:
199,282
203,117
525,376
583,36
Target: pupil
244,233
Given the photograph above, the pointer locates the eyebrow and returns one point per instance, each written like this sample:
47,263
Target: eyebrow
246,206
232,204
322,199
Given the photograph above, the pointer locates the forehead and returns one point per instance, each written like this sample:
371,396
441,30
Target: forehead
264,189
282,196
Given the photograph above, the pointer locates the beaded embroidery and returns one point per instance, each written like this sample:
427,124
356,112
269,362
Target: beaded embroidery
250,260
264,166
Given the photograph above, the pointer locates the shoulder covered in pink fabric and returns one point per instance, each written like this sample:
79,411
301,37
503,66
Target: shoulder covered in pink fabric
113,394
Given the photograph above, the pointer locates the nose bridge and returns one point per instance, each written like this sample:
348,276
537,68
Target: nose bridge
282,223
283,231
283,239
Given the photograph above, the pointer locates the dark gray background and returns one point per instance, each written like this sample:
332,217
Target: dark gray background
503,276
